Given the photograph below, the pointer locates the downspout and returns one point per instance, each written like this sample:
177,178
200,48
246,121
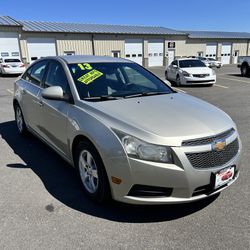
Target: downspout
93,44
248,41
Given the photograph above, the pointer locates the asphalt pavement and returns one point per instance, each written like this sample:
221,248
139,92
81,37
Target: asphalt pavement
42,205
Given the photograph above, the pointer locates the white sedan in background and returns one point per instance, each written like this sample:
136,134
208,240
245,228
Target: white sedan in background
189,71
214,63
11,66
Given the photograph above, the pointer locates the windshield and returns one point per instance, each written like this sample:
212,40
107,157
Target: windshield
211,59
11,60
115,80
191,63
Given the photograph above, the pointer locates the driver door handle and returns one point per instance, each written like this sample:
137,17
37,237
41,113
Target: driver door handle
40,103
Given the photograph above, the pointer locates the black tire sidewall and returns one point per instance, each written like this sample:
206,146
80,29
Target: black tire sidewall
178,84
24,128
244,71
103,191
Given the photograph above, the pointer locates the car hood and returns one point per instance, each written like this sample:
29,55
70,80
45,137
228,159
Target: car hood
197,70
163,119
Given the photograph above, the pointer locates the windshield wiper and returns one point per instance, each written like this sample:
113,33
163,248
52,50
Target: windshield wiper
147,94
101,98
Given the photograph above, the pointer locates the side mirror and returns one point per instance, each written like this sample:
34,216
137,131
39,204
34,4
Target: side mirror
54,93
175,66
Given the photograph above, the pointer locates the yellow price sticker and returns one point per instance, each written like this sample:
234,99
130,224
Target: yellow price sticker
84,66
90,76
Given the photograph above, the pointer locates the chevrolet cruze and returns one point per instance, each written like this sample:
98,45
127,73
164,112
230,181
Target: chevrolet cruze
129,135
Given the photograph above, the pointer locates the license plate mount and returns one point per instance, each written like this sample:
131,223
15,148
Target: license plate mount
224,176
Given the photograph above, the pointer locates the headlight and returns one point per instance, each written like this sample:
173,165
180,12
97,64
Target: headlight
185,73
139,149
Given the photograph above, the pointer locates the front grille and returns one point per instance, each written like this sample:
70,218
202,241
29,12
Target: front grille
200,75
214,158
208,140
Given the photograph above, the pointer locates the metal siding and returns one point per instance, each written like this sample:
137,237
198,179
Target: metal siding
105,44
241,46
81,45
191,48
24,50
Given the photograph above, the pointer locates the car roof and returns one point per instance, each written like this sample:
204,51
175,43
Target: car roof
91,59
189,59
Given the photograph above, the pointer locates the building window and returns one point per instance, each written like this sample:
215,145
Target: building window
116,53
200,53
69,53
4,54
127,55
14,53
171,45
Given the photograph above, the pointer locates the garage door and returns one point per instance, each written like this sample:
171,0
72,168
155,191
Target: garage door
40,47
211,50
9,45
226,53
133,50
155,53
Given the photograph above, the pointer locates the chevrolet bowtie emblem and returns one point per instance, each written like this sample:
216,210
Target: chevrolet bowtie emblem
219,145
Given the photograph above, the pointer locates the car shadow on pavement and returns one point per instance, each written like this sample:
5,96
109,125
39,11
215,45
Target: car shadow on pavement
239,75
62,183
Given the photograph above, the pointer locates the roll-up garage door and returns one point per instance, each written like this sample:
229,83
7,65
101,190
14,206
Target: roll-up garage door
40,47
134,50
226,53
155,52
9,45
211,49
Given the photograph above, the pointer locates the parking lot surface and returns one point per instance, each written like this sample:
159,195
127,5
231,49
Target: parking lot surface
42,205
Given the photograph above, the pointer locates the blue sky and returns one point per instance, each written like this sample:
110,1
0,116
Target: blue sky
222,15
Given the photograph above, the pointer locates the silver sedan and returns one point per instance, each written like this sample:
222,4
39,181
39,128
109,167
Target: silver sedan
129,135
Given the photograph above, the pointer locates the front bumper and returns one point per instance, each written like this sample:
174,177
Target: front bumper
198,80
182,178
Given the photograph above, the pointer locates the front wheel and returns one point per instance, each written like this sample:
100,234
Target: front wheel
178,81
92,172
244,70
166,75
21,125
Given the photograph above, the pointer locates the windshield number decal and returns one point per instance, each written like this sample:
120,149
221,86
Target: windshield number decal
84,66
90,77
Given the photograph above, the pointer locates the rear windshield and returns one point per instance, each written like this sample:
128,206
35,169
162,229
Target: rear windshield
11,60
114,80
191,63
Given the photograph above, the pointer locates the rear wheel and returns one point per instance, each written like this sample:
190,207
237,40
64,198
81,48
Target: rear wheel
21,125
92,172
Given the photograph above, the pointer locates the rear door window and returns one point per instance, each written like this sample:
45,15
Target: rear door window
35,73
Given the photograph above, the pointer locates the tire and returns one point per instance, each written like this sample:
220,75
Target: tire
20,123
210,85
178,81
244,70
166,75
92,172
